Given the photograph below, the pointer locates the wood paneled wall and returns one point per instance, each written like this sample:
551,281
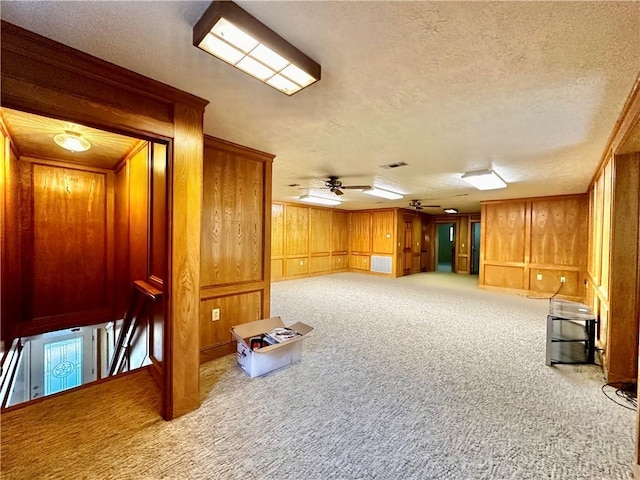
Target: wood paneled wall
308,241
46,78
356,236
140,238
66,212
10,249
528,245
614,200
236,241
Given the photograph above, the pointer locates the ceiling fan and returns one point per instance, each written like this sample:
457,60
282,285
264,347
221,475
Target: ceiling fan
417,205
334,184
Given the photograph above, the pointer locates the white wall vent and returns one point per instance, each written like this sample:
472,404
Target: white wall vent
380,264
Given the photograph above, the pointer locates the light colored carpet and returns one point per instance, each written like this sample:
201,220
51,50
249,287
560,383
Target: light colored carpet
423,377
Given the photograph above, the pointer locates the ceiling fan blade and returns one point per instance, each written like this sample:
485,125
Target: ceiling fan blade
431,206
338,192
356,187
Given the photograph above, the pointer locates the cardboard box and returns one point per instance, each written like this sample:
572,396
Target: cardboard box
266,359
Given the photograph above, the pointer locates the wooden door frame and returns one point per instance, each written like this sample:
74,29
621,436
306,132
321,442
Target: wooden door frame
47,78
436,242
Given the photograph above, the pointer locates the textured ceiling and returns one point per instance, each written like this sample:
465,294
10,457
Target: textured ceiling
531,89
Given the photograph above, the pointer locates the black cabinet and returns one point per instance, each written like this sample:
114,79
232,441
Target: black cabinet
571,331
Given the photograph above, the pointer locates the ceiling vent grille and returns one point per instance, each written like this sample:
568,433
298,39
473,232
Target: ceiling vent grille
394,165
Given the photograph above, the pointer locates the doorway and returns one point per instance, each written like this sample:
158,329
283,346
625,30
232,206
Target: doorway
408,242
445,247
475,248
89,223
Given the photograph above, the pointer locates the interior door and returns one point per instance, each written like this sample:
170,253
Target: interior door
408,241
475,248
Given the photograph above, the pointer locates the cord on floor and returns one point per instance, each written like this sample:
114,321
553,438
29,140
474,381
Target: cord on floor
623,394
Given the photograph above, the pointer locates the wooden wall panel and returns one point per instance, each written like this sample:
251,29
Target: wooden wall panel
503,276
359,262
624,303
296,230
504,225
320,264
320,230
69,221
360,232
122,280
158,248
296,266
558,231
233,219
138,216
158,215
550,281
599,194
237,239
607,206
11,314
234,310
383,232
544,236
277,230
277,268
340,262
340,234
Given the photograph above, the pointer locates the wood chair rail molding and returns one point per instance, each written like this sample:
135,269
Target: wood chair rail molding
47,78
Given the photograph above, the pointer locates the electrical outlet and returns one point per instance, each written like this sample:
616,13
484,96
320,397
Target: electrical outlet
539,277
215,314
562,279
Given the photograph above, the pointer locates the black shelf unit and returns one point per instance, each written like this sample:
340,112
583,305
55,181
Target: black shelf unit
571,331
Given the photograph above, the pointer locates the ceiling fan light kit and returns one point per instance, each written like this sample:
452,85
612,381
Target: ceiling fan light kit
484,179
378,192
231,34
319,200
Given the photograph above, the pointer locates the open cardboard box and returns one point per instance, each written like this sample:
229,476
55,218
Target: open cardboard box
266,359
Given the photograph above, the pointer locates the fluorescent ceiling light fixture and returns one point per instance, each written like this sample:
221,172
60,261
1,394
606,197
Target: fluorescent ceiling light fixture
72,141
450,210
382,193
318,200
484,180
230,33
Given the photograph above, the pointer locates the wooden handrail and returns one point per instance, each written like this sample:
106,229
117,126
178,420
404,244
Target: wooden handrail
142,295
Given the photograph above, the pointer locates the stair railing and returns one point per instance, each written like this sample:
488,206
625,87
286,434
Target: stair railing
143,296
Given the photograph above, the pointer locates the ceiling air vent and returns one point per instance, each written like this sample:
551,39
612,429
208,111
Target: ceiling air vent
394,165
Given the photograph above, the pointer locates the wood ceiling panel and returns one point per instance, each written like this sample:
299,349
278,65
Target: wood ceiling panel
33,137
